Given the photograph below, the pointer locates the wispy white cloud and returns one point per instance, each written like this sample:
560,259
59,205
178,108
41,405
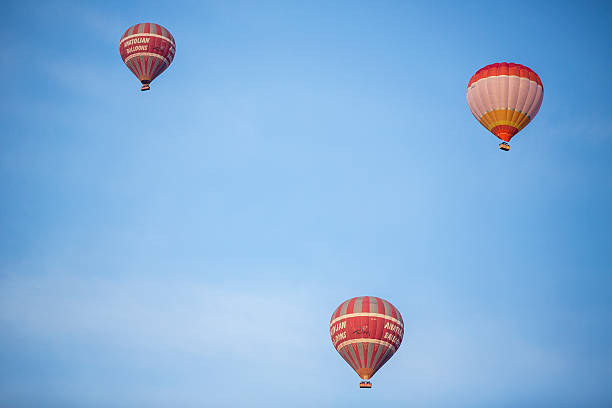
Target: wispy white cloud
158,314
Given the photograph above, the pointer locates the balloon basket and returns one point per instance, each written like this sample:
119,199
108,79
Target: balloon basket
145,87
365,384
504,146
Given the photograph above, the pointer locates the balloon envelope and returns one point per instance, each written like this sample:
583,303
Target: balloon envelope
147,49
505,97
366,331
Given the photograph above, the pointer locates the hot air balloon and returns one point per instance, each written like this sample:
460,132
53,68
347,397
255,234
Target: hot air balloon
147,49
366,331
504,98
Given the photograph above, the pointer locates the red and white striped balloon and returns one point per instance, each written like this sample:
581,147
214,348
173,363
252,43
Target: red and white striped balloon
147,49
366,331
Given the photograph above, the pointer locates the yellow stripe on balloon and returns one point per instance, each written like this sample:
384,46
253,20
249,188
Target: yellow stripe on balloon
508,117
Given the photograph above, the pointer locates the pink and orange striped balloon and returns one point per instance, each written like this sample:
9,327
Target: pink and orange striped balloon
147,49
505,97
366,331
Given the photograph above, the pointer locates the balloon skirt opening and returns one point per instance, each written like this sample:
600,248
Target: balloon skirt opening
365,373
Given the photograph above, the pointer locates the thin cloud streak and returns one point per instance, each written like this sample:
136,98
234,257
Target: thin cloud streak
155,314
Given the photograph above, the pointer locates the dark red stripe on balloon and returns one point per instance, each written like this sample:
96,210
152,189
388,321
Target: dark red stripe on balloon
351,306
505,68
504,132
381,306
356,351
365,305
347,350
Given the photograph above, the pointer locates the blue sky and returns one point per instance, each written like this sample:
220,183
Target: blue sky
186,246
